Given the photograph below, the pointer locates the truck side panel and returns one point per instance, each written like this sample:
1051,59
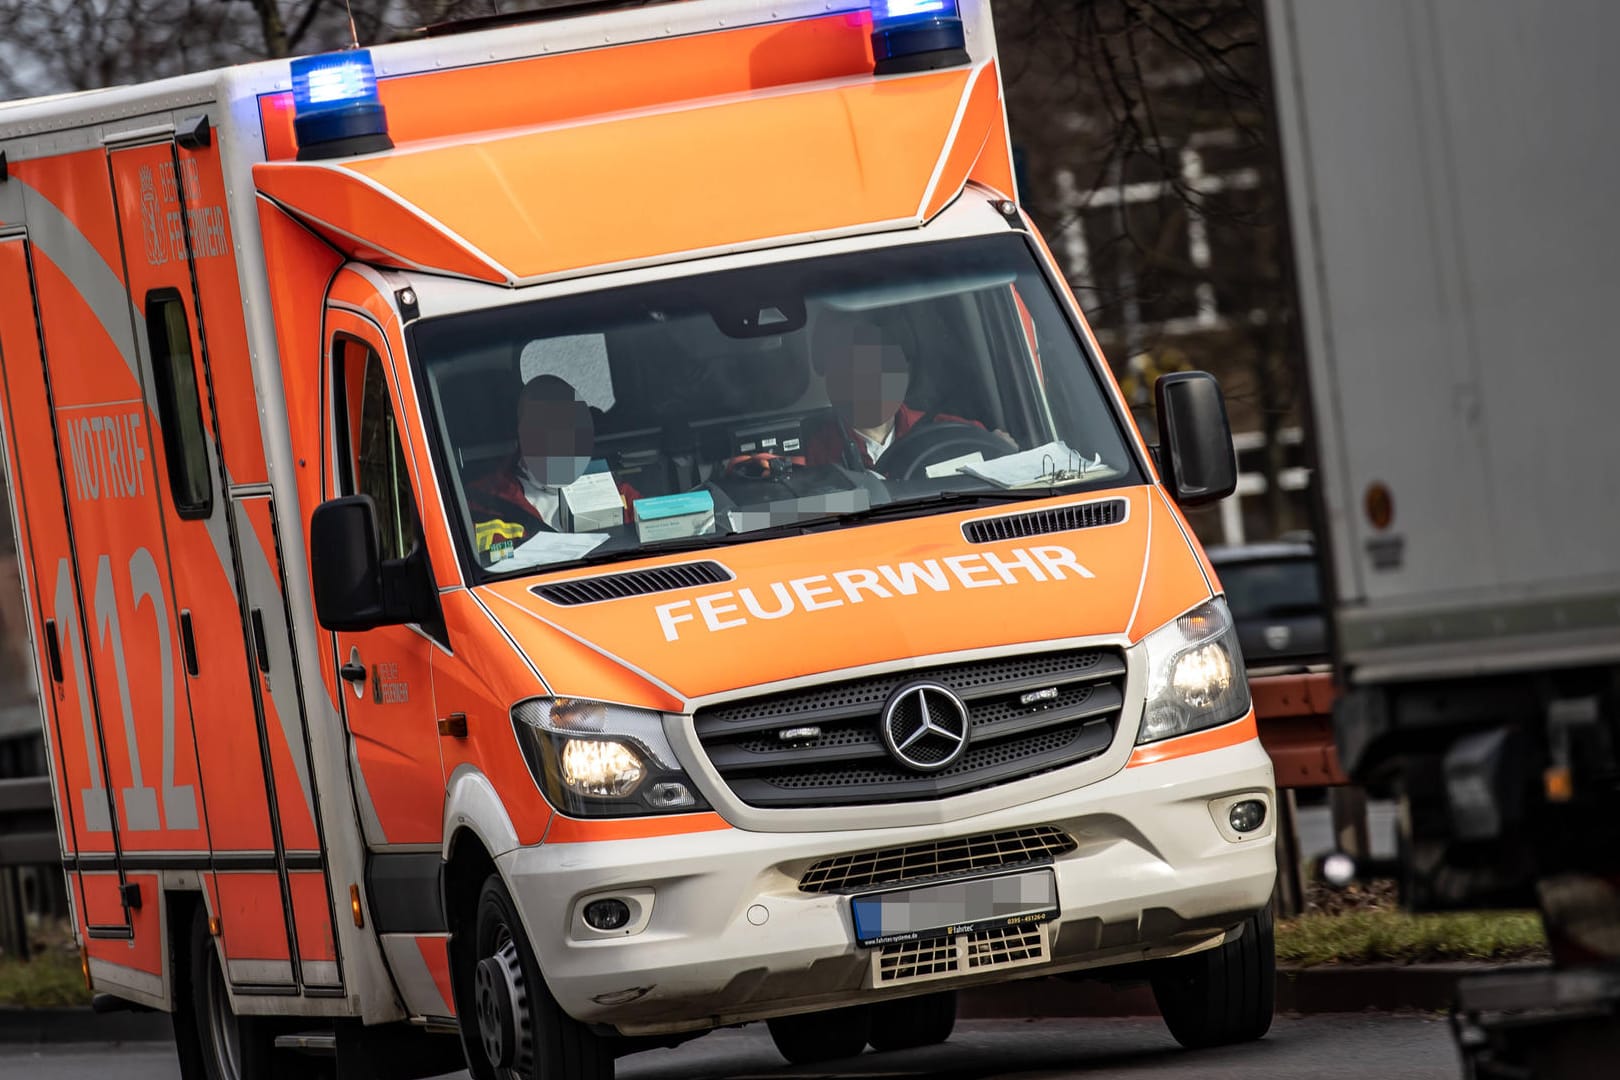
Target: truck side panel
1457,327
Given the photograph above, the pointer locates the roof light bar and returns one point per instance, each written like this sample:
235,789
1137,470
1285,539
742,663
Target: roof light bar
917,35
336,110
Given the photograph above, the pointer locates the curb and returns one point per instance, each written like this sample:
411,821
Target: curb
1326,989
82,1025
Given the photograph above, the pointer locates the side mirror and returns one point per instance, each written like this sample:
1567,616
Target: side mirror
345,559
1196,457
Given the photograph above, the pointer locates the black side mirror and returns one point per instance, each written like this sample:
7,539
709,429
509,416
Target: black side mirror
1196,457
345,560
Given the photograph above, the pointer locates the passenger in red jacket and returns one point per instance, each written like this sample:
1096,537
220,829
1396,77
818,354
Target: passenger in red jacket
523,496
867,376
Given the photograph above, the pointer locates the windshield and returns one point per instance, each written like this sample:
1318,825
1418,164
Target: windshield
802,394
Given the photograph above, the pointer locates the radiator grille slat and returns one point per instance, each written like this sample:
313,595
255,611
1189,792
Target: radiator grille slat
916,862
594,590
823,746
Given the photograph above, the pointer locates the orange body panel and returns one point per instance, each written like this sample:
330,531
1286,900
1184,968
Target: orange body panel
933,612
76,184
437,104
567,830
481,680
133,648
145,951
312,915
981,125
1172,581
1236,733
220,294
252,921
82,794
852,154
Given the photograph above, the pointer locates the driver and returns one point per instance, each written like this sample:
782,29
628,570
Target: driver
867,375
556,438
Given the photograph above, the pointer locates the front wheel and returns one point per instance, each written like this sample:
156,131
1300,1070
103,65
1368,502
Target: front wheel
813,1038
912,1022
1222,995
516,1030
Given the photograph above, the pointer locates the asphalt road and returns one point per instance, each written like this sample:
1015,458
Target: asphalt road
1347,1047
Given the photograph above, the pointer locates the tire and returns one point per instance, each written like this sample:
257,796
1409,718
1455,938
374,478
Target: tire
813,1038
541,1042
913,1022
1222,995
231,1047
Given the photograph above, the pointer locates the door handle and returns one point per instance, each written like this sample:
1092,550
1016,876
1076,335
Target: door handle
354,671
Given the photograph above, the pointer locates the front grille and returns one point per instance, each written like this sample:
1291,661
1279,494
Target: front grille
591,590
1039,522
823,746
915,862
940,958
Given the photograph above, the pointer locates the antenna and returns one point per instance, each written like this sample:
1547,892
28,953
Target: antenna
354,35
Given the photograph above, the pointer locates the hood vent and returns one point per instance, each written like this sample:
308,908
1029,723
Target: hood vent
592,590
1036,522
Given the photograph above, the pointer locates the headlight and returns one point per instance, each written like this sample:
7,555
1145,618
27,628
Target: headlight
592,759
1195,674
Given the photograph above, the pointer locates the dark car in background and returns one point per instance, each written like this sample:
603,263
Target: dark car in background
1275,595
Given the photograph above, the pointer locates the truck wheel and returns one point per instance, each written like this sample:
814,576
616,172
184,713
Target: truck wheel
913,1022
522,1032
825,1036
233,1047
1222,995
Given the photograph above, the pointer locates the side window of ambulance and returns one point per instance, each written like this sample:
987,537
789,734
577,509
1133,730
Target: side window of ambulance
375,462
185,442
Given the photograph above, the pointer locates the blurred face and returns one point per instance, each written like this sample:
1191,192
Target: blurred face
866,380
556,439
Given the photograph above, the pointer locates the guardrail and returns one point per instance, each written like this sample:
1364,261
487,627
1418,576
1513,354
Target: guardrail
27,838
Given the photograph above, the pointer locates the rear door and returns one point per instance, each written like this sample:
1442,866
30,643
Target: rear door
50,571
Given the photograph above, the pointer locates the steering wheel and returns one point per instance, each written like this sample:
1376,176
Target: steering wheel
931,443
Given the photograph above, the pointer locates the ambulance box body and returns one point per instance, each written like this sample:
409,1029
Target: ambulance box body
362,710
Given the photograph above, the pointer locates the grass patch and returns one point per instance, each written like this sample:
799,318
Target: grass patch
1386,936
52,979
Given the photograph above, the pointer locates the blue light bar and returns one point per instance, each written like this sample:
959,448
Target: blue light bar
917,35
336,110
892,11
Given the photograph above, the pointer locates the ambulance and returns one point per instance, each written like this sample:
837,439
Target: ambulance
558,535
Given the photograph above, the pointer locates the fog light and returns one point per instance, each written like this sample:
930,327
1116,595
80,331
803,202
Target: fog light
607,914
1247,815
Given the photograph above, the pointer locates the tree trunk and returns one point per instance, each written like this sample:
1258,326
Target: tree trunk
275,31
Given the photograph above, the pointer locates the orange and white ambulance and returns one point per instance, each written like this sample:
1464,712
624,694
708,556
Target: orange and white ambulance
579,531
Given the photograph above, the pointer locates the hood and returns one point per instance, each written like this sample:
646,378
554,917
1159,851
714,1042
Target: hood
868,594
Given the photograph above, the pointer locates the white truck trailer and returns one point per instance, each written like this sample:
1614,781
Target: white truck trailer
1451,171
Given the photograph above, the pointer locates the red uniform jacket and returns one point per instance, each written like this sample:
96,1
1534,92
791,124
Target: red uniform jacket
825,446
498,496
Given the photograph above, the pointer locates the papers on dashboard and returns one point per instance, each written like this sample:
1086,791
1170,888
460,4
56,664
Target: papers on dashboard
1052,465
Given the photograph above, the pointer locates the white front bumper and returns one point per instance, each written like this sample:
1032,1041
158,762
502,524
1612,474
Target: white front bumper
1152,875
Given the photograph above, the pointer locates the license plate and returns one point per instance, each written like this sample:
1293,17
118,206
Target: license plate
954,907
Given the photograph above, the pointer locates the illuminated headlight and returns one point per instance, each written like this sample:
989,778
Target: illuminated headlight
1195,674
592,759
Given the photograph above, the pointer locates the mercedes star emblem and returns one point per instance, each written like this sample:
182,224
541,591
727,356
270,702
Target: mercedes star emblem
925,726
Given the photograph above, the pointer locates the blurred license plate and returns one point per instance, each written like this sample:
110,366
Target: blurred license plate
954,907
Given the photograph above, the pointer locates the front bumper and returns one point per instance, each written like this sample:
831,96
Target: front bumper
1152,876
